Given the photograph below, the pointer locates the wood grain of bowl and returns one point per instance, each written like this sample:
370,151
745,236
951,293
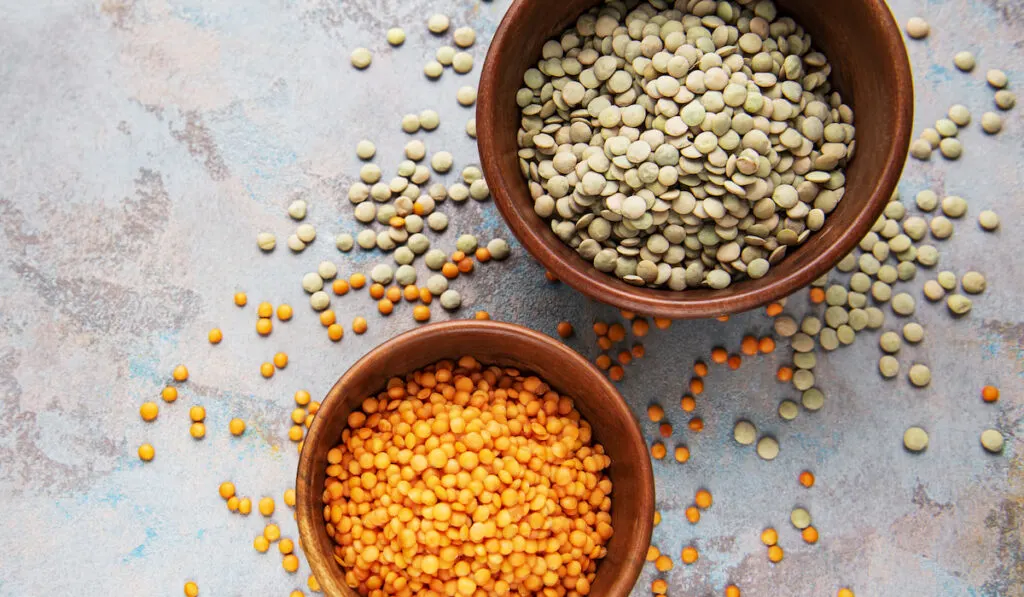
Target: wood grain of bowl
502,344
870,69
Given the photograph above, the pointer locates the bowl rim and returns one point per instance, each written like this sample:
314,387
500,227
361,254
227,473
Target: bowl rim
309,511
674,304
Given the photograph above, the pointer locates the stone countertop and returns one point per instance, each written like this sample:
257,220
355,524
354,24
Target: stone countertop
147,141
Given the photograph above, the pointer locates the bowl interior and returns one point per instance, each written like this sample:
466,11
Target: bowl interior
871,71
506,345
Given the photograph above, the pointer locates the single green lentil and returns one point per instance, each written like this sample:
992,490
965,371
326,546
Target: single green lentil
810,325
297,209
947,280
365,149
918,28
920,375
382,274
451,300
927,255
903,304
946,129
437,221
306,233
327,270
812,399
913,332
951,148
991,123
433,69
876,317
464,37
344,242
405,275
361,58
266,241
396,36
988,220
959,304
881,291
410,124
964,61
921,149
997,79
803,379
804,360
366,239
404,256
438,23
768,448
312,282
295,243
800,518
471,127
915,439
888,366
499,249
889,342
458,192
479,190
927,200
954,206
319,300
437,284
744,433
992,440
933,291
959,114
828,339
445,55
466,95
441,162
466,243
973,282
462,62
429,119
906,271
788,410
941,227
1005,99
418,243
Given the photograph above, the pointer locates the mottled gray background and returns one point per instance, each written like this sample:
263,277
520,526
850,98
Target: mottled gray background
145,142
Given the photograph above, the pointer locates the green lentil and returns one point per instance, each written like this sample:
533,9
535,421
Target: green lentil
405,275
992,440
927,200
361,58
429,119
964,61
810,325
471,127
934,291
451,300
846,335
366,239
744,433
954,206
951,148
464,37
396,36
876,317
915,439
479,190
920,375
947,280
295,243
418,243
803,379
800,518
344,242
382,274
996,78
312,282
941,227
437,284
906,271
438,23
973,283
812,399
805,360
466,95
437,221
927,255
946,129
297,209
959,114
991,123
365,149
918,28
404,256
306,233
462,62
920,149
768,448
319,300
888,366
445,55
889,342
441,162
788,410
1005,99
903,304
370,174
881,291
988,220
913,332
410,124
266,241
828,339
499,249
433,69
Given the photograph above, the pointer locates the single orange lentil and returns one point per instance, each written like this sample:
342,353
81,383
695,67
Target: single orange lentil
732,591
663,563
565,329
411,293
335,332
327,317
769,536
723,318
215,336
616,332
600,328
465,266
806,479
340,286
267,370
625,357
810,535
280,360
450,270
357,280
641,327
394,294
773,310
775,554
693,515
482,315
169,394
550,276
784,374
385,306
688,404
719,355
696,385
265,309
241,299
696,424
682,453
421,313
264,326
629,315
616,373
658,450
700,368
748,345
458,256
703,499
482,255
659,586
603,362
665,429
766,345
397,222
657,518
604,342
425,296
180,373
817,295
990,393
662,323
376,291
359,325
655,413
284,312
652,553
639,351
690,554
734,361
844,592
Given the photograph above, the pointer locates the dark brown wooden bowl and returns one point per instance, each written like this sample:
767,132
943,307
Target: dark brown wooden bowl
502,344
870,69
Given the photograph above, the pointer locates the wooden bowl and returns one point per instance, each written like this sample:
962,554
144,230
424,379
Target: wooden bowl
870,69
502,344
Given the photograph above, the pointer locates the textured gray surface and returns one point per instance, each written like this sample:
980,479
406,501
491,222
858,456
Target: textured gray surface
146,142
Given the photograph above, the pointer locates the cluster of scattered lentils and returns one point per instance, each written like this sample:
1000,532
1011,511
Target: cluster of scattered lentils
684,148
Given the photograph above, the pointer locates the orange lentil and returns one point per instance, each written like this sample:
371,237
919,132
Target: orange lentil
690,554
335,332
616,373
735,361
663,563
450,270
396,222
267,370
806,479
280,360
766,345
241,299
990,393
784,373
658,450
376,291
265,309
482,255
773,310
550,276
465,266
425,296
394,294
732,591
482,315
340,287
662,323
659,586
169,394
600,328
357,281
719,355
775,554
629,315
844,592
700,368
693,515
688,403
703,499
723,318
655,413
215,336
657,518
665,429
327,317
458,256
696,424
639,351
564,329
810,535
696,385
616,332
421,313
682,453
748,345
817,295
385,306
359,325
625,357
769,536
652,553
603,362
604,342
641,327
284,312
180,373
411,293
